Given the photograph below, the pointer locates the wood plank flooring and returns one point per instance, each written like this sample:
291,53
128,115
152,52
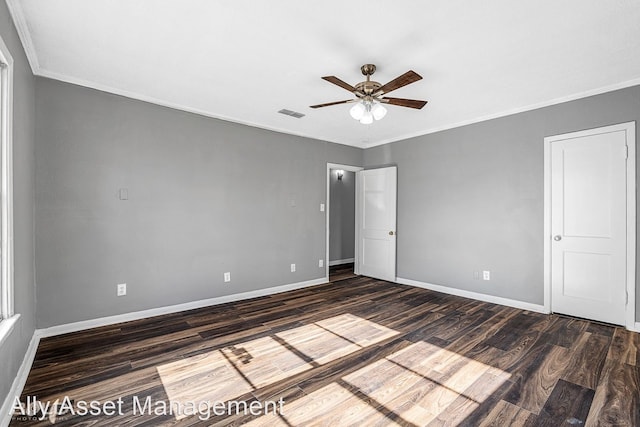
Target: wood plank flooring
357,351
341,272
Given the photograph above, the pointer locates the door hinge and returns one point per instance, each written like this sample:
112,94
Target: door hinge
626,151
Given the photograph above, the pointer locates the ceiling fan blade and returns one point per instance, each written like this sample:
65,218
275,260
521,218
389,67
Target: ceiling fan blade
411,103
405,79
338,82
332,103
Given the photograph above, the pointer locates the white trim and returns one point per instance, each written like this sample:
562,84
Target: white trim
636,327
15,10
136,315
341,261
327,210
630,129
6,326
177,106
510,112
475,295
546,262
6,184
631,226
18,383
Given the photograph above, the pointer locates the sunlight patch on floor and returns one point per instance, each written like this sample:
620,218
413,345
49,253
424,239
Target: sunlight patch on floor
231,372
222,375
417,385
420,382
332,405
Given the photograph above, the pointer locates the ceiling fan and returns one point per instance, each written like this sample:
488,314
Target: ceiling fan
370,95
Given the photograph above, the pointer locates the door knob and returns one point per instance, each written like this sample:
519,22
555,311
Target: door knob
391,233
557,238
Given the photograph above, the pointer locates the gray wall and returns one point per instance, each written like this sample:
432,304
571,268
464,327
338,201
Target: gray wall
342,215
14,348
471,198
205,197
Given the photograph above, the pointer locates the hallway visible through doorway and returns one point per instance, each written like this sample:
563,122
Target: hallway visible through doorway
341,272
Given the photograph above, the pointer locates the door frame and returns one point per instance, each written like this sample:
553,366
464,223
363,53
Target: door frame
630,129
348,168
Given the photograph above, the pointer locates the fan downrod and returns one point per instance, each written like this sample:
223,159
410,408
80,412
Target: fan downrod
368,87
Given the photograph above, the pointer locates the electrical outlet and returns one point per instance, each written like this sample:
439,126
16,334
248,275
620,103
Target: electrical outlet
121,289
321,263
486,275
293,268
227,276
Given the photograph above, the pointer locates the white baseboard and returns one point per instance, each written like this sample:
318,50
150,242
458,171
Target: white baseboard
340,261
136,315
636,327
475,295
18,383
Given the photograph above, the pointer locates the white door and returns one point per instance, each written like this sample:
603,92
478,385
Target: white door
376,193
588,224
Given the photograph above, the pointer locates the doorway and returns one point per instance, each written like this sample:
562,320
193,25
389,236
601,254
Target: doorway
341,221
590,224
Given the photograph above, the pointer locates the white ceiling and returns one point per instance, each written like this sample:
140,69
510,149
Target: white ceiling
242,60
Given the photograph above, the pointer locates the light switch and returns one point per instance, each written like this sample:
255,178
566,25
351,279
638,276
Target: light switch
123,194
321,207
121,289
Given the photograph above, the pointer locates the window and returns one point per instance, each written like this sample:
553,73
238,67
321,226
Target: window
6,187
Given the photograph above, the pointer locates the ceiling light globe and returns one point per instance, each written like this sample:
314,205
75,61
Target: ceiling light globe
378,111
357,111
367,118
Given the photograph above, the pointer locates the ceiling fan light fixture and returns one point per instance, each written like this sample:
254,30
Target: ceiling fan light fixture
357,111
367,118
366,111
378,111
370,95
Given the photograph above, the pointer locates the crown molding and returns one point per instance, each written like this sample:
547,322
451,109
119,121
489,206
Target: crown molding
510,112
17,14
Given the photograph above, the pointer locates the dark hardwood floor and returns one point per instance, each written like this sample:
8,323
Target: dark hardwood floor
358,352
341,272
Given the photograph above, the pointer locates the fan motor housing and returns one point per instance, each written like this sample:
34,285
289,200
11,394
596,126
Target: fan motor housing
368,87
